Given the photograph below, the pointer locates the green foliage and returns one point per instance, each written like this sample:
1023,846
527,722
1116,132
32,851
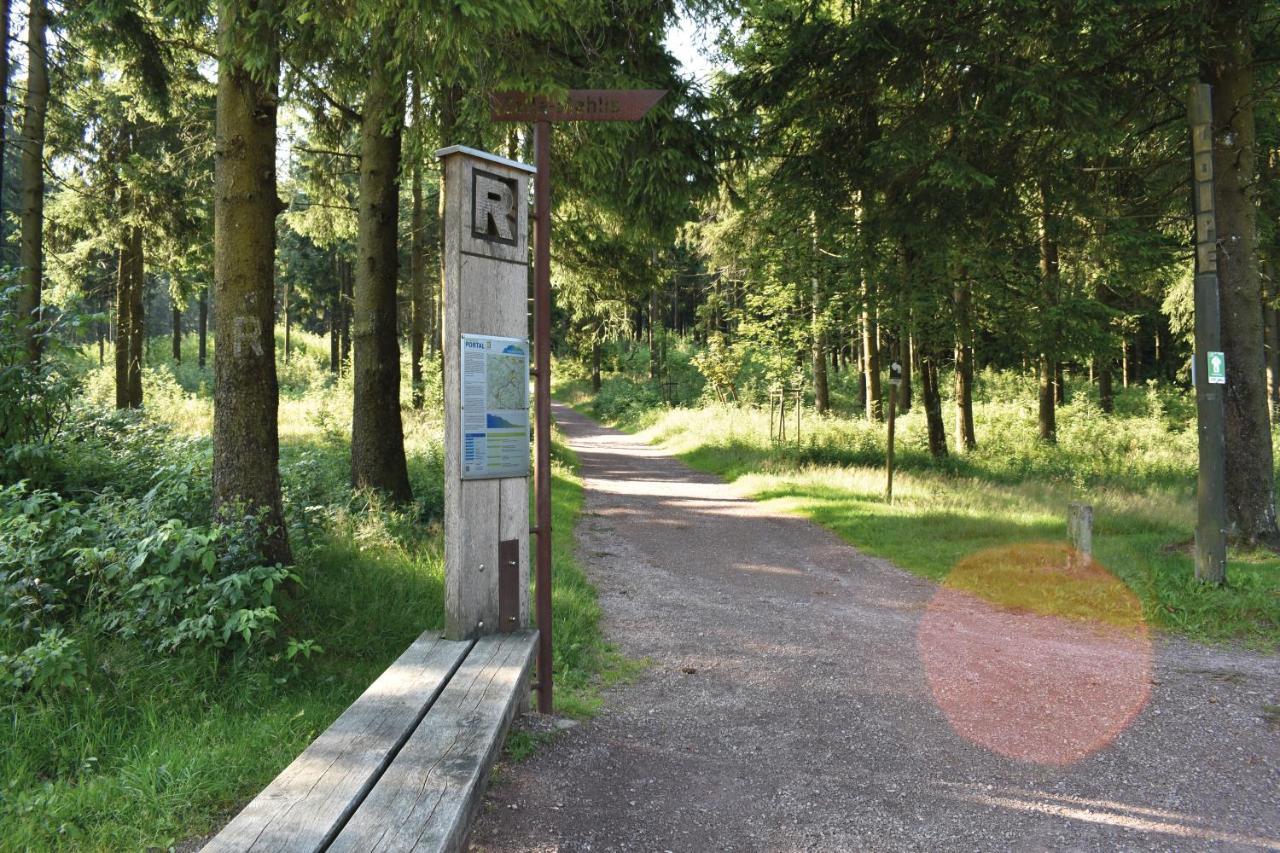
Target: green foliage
35,398
719,367
53,661
119,567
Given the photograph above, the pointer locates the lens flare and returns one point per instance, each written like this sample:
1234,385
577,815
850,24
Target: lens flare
1036,652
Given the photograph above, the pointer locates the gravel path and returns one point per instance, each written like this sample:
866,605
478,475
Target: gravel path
802,696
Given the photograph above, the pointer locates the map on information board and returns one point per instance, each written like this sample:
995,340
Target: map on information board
495,407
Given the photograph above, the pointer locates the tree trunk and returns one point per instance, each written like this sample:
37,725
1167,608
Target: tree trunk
1271,334
31,248
202,325
130,324
932,399
288,324
966,436
246,397
177,333
653,338
1048,418
123,302
905,392
1250,480
818,345
860,392
1106,391
4,110
871,354
595,364
1049,334
417,262
331,319
347,300
1059,384
377,432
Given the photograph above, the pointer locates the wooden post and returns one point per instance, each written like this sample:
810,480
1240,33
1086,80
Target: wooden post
895,380
1211,523
773,405
799,400
486,476
888,456
782,415
1080,529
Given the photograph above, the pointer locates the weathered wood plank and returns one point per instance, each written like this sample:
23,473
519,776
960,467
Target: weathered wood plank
427,797
309,801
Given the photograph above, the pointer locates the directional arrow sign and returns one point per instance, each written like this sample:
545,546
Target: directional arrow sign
578,105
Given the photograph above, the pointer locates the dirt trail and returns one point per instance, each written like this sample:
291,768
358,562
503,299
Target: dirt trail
789,705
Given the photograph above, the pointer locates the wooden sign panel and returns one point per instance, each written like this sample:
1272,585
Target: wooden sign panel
578,105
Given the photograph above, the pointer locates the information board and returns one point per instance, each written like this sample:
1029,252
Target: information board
495,407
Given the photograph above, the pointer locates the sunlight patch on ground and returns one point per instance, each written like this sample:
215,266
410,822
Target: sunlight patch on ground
1107,812
1036,653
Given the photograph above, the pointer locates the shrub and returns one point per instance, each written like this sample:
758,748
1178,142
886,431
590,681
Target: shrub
121,567
35,397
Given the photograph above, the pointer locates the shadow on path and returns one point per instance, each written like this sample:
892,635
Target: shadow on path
788,705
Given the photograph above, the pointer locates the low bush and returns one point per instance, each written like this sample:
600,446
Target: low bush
120,567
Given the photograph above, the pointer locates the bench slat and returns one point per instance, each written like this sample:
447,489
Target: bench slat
303,808
425,800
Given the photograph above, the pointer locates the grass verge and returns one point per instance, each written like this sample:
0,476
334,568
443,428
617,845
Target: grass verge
1144,506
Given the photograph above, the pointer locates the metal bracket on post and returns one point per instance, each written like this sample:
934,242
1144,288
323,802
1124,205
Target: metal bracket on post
508,585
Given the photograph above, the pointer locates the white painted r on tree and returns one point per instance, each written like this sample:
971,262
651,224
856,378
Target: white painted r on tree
247,330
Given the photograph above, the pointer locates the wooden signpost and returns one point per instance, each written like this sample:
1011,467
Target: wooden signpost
895,382
486,392
1209,366
577,105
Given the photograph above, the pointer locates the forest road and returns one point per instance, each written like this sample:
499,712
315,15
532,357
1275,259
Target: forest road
804,696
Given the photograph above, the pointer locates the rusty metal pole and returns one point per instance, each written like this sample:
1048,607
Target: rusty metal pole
542,404
578,105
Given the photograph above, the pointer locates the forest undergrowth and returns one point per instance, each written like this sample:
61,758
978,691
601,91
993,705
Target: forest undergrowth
153,676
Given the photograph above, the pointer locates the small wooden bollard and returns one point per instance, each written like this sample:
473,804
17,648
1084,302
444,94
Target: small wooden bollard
1080,530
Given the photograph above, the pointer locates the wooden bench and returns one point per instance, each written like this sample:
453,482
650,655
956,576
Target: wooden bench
404,767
